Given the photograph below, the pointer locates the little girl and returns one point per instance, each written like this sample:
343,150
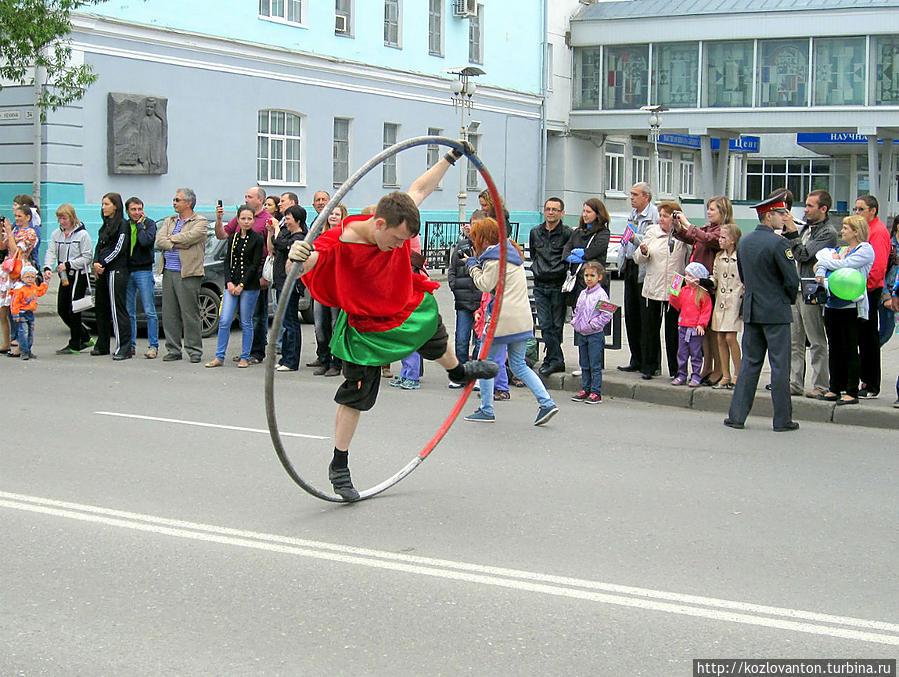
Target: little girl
589,323
726,320
695,306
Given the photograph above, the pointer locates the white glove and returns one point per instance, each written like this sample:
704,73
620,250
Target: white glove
299,251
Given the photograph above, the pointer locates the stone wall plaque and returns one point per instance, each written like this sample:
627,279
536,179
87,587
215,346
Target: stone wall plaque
137,134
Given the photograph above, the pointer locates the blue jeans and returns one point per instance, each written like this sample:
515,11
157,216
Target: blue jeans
464,335
25,331
247,302
549,303
142,281
292,339
591,350
411,370
521,369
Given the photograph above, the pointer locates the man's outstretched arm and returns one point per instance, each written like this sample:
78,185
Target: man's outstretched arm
425,184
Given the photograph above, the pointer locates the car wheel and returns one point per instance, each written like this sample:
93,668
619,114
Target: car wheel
209,312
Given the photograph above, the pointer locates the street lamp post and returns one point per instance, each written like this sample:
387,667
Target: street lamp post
655,127
461,91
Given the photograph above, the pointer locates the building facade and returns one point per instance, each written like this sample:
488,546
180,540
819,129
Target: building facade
292,95
752,97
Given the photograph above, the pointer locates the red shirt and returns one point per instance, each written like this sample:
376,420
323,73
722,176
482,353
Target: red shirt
377,289
879,237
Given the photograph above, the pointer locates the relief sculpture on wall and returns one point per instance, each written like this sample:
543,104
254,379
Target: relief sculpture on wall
137,134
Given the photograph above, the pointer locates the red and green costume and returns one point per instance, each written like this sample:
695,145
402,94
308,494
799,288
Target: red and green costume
387,311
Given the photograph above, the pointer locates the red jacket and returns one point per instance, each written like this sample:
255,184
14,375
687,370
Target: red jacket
879,238
690,315
24,297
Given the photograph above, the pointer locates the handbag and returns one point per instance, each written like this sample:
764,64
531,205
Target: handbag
268,269
571,278
813,294
86,302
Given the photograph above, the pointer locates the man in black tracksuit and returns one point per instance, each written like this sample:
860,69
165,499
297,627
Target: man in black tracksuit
548,266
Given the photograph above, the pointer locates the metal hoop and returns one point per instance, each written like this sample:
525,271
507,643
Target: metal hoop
292,275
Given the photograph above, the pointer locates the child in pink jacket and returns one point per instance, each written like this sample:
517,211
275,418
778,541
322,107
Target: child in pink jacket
589,322
695,306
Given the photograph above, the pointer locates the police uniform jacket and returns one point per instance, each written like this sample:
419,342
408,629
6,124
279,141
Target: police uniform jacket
766,266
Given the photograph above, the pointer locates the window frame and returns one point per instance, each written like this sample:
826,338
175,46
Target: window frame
341,144
282,19
614,161
666,173
399,23
390,164
476,23
349,13
471,172
435,17
433,153
688,166
285,139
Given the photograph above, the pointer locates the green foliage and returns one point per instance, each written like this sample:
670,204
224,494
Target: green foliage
35,32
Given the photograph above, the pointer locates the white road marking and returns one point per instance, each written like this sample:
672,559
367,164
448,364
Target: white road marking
160,419
640,598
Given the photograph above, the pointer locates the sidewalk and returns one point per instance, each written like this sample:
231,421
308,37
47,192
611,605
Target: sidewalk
878,413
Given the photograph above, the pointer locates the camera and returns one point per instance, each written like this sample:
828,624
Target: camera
219,203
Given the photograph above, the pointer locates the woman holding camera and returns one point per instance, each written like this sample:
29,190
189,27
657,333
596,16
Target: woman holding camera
704,239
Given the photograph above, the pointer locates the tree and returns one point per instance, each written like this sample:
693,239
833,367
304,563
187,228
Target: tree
35,33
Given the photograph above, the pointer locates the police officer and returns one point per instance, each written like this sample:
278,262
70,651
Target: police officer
766,266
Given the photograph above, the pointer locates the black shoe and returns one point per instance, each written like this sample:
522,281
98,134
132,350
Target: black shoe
125,355
734,424
628,368
66,351
171,357
195,359
342,483
97,351
547,369
646,377
792,425
475,369
866,394
854,400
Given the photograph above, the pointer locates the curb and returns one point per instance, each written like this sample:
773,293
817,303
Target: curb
718,401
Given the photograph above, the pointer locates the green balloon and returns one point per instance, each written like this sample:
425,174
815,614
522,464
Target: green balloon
846,283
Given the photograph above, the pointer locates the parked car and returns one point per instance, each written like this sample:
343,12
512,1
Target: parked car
210,292
617,226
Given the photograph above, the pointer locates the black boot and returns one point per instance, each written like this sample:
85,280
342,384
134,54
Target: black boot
343,485
475,369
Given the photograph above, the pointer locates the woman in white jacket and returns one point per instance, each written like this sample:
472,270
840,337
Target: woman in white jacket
515,324
664,255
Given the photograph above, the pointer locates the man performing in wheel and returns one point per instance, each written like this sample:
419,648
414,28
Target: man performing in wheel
387,311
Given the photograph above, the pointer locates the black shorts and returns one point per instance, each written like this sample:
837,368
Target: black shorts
359,389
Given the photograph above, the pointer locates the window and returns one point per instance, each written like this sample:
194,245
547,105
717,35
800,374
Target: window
341,150
885,69
343,17
728,74
675,74
801,176
614,167
472,174
687,174
640,164
433,149
839,69
587,77
285,10
666,173
627,72
388,169
278,147
392,23
435,27
783,73
476,37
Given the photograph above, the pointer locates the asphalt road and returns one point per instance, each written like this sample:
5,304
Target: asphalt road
621,539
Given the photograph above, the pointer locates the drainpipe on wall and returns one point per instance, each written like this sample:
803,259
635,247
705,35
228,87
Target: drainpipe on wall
543,134
40,77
